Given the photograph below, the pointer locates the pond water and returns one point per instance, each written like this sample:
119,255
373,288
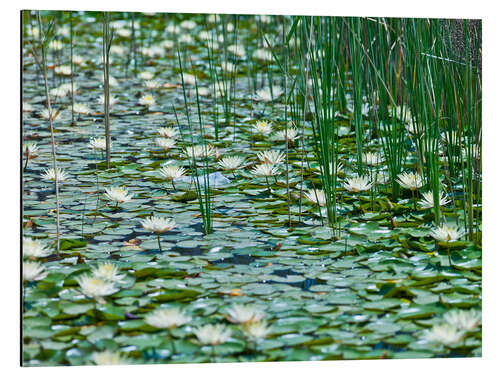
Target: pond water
373,291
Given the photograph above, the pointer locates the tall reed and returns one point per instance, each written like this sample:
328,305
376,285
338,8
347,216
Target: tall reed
204,200
107,38
320,41
44,38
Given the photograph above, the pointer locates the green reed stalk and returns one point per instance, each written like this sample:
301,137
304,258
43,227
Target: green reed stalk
133,43
424,98
285,76
44,39
71,62
213,82
107,38
320,34
384,58
357,83
204,200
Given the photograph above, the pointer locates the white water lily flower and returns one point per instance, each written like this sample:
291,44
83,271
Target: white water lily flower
108,272
263,54
340,167
211,18
57,115
112,100
64,70
264,18
102,60
168,132
256,330
412,128
151,84
173,29
265,93
112,81
59,92
167,44
98,143
68,88
365,107
33,271
463,320
165,143
109,358
153,51
172,172
117,50
447,233
30,148
27,107
228,66
186,38
146,76
205,35
33,31
212,44
371,158
63,31
198,151
78,60
403,113
189,79
244,314
230,163
357,184
49,174
265,170
118,194
411,180
81,108
444,334
221,88
428,199
56,45
95,287
288,134
167,318
46,116
316,196
272,157
35,249
263,127
188,24
203,91
158,224
124,33
237,50
213,334
147,100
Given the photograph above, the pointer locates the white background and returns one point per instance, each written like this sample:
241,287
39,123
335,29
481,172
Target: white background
10,183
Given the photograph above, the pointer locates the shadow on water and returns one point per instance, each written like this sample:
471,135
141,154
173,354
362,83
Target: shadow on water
304,285
43,194
198,250
392,348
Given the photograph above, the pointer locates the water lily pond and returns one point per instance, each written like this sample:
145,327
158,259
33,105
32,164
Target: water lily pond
255,206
